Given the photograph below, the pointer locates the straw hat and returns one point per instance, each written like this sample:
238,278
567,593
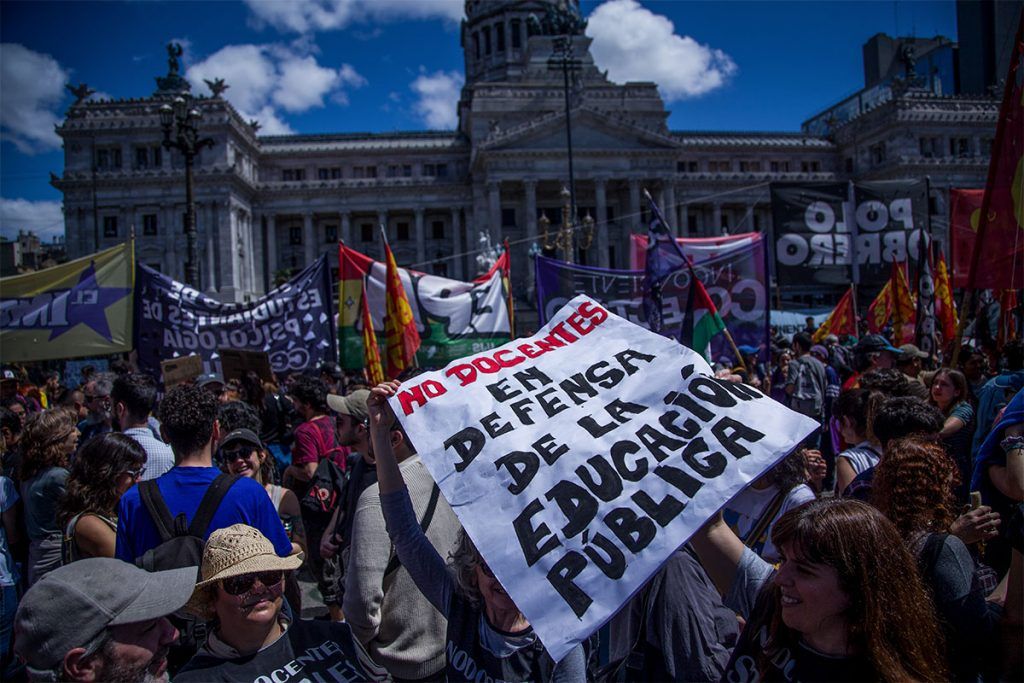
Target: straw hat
238,549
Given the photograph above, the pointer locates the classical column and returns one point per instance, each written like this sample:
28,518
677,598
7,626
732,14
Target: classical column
671,214
601,219
171,236
421,244
530,209
346,228
684,220
494,212
751,209
255,254
228,221
457,244
308,238
271,250
209,275
716,219
634,205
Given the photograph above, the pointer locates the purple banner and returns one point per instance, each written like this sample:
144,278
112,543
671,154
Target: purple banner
734,277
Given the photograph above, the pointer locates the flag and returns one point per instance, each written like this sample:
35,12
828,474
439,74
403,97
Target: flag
1007,317
664,257
697,333
401,338
840,321
880,310
998,254
945,308
964,219
80,308
903,306
926,324
371,352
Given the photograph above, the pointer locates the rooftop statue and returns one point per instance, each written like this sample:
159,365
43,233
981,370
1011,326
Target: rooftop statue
561,18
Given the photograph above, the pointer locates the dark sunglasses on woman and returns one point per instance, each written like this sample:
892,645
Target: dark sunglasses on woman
237,585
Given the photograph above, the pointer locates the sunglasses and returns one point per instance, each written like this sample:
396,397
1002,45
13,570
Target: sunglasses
238,585
136,474
229,454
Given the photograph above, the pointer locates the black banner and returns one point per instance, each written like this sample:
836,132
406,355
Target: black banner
818,231
293,324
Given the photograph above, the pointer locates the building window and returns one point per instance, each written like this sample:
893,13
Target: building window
691,224
609,214
333,173
108,158
293,174
437,230
487,40
810,166
877,153
848,163
680,167
719,166
508,217
499,35
930,147
366,232
110,226
364,171
392,171
429,170
402,230
330,233
141,157
750,166
407,170
959,147
517,40
149,224
295,235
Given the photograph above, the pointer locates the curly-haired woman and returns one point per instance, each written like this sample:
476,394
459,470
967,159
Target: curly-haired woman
846,604
106,466
49,440
913,487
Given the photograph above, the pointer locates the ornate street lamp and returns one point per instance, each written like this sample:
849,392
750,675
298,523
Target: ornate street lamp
182,121
565,239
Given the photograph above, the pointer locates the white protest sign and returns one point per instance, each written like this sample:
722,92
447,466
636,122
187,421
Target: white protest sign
580,458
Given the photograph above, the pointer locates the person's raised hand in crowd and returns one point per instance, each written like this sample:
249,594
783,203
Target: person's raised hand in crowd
816,468
381,417
976,525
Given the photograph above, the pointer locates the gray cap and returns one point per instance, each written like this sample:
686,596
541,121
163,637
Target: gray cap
210,378
353,404
73,605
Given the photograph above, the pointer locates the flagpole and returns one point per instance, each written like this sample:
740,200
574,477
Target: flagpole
728,335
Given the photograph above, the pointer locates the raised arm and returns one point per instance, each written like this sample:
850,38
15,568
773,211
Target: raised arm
719,550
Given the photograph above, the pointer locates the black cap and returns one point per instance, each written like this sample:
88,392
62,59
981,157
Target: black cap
243,435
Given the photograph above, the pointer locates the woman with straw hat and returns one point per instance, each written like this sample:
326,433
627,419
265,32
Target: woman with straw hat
240,592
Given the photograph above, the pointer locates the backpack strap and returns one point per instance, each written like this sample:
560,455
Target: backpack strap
211,501
428,515
151,497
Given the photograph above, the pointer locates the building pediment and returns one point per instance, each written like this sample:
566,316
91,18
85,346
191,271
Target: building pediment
591,130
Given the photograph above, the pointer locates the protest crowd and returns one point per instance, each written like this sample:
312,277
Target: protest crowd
264,493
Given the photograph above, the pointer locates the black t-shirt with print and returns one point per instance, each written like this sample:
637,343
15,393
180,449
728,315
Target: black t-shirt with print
308,651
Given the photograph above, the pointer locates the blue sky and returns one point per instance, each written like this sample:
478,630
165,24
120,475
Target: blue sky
314,66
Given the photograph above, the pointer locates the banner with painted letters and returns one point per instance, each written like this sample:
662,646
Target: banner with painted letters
818,230
580,458
293,323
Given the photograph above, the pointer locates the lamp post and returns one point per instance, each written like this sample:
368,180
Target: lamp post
182,122
565,60
565,239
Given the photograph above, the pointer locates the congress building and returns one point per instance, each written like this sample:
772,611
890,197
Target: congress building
268,205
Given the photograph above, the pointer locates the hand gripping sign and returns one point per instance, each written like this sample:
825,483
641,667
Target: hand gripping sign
580,458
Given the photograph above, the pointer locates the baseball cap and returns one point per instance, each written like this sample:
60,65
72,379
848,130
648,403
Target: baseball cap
352,404
874,342
73,605
908,351
819,350
243,435
211,378
747,350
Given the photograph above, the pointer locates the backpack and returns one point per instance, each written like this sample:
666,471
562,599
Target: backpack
181,543
324,493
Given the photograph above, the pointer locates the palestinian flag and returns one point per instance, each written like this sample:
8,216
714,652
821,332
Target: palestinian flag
701,321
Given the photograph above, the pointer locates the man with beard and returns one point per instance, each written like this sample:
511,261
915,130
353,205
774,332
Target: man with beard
100,619
97,399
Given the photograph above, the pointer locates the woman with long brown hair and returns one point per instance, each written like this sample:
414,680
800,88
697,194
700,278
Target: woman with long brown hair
846,603
951,394
913,487
105,467
49,440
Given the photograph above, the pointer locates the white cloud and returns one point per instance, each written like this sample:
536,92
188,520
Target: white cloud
304,16
265,80
44,218
31,89
635,44
438,95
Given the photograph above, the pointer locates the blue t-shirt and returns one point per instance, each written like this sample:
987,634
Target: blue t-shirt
182,488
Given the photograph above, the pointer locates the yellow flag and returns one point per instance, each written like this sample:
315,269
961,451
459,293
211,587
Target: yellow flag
80,308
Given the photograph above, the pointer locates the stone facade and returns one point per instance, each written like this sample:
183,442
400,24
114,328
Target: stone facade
267,205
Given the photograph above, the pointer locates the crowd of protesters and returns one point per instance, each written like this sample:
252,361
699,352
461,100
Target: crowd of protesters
150,535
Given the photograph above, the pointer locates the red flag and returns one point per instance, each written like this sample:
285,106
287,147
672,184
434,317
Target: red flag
400,335
964,215
998,254
1007,317
880,309
945,307
371,352
840,321
904,308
